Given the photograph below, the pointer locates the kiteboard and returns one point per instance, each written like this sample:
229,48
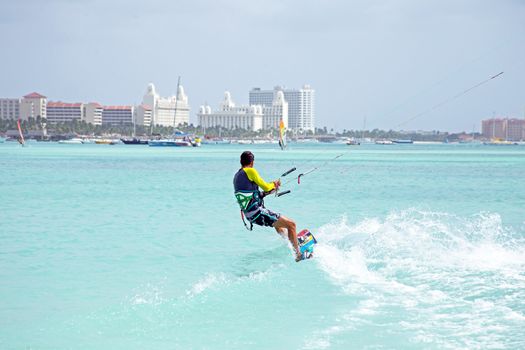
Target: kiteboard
306,244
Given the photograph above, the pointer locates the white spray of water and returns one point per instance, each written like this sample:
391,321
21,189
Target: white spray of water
148,295
453,281
206,283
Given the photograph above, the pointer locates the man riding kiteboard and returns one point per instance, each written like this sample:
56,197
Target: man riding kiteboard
246,183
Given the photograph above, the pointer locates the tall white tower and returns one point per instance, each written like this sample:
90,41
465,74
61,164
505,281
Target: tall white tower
301,104
150,99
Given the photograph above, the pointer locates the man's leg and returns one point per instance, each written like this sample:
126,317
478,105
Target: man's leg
282,231
289,225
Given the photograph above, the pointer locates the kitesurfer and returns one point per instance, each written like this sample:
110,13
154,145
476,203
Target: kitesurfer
246,183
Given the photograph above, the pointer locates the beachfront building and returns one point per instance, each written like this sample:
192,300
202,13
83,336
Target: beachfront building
492,128
93,113
59,112
117,115
515,129
511,129
9,108
301,105
33,105
170,111
143,115
230,116
274,113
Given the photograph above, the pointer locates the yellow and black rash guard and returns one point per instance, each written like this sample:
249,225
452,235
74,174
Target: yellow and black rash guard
254,176
246,183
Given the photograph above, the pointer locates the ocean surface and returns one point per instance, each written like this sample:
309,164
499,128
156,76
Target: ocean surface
134,247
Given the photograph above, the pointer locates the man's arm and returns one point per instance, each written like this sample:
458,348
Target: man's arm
254,176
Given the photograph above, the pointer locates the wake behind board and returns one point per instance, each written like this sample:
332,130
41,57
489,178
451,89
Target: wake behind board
306,244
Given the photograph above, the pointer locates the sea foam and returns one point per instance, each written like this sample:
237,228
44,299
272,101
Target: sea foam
455,281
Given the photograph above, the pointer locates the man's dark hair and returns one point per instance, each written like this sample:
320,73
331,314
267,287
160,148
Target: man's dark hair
246,158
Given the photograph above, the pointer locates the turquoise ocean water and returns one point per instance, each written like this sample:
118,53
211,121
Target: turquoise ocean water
131,247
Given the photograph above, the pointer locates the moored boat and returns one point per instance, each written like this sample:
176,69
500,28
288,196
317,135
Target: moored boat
400,141
306,140
134,141
353,142
169,143
73,141
196,142
215,141
501,143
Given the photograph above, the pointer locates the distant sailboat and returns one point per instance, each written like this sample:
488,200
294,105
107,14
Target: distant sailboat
134,139
282,135
178,139
21,139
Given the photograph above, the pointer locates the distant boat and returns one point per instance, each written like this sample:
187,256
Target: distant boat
216,141
179,139
407,141
73,141
306,140
196,142
282,135
169,143
21,135
352,142
499,142
103,142
383,142
262,141
134,141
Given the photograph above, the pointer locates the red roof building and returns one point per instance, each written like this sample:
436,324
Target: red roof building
60,104
34,95
63,112
33,105
116,108
117,115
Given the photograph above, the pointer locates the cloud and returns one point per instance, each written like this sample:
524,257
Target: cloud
363,57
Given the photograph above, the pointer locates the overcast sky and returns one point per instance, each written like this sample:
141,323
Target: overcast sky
387,61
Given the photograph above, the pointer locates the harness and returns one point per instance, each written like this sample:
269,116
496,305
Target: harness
250,203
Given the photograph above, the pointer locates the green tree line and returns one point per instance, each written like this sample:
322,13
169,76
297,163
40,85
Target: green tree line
127,130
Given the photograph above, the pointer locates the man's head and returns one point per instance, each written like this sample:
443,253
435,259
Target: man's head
247,159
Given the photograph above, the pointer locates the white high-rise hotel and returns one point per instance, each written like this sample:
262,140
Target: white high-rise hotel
230,116
301,105
252,117
171,111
